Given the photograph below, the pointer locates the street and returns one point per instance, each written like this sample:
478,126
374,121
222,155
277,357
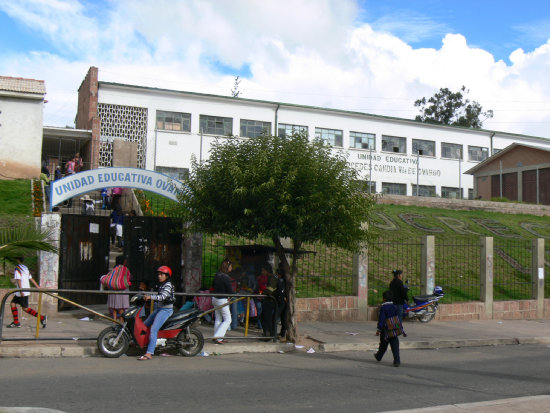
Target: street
320,382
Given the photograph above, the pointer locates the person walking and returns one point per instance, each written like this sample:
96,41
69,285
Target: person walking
399,291
389,328
222,285
118,303
22,278
164,307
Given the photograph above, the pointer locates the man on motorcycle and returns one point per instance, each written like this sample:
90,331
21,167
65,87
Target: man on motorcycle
164,307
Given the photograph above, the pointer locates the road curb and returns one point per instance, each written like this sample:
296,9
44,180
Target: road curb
30,350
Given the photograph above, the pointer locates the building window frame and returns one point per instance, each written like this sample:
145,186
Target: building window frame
173,121
477,153
285,129
452,150
334,137
253,128
426,147
394,144
451,192
362,140
215,125
425,190
393,188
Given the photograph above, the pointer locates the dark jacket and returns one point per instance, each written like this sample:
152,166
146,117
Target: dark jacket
399,292
386,310
222,284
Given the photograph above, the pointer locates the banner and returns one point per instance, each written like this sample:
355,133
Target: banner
96,179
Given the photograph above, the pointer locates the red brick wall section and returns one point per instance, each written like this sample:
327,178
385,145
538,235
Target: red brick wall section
343,308
86,115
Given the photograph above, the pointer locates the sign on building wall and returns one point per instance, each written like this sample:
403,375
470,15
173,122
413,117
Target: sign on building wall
97,179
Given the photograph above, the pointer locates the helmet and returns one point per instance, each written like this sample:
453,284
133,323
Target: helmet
438,290
165,269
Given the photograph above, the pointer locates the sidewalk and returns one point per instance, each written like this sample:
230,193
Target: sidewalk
77,325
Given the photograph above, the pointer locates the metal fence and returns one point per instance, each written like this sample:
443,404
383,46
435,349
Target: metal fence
547,269
322,271
389,254
512,270
457,269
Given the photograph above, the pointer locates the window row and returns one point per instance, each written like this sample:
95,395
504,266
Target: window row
222,126
391,188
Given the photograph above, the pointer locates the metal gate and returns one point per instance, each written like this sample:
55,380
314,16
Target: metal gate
150,242
84,255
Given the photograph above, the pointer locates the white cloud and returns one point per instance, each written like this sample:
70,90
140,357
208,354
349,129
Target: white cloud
306,52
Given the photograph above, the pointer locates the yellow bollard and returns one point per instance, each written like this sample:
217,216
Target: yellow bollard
37,333
247,315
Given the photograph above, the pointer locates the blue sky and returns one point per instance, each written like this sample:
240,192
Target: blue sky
498,26
375,56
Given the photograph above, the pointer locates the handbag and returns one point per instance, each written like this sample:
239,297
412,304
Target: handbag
394,327
116,279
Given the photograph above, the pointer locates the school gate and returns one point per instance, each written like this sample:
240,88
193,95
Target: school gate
149,242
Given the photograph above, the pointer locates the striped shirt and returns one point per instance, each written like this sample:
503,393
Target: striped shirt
165,297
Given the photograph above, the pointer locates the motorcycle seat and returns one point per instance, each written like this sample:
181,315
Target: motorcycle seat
418,298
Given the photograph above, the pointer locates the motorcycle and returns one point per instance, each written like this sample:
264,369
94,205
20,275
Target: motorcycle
425,306
178,331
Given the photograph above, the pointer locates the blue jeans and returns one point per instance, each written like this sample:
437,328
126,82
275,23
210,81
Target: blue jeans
155,322
259,312
399,311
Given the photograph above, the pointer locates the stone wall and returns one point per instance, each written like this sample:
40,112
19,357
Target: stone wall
466,205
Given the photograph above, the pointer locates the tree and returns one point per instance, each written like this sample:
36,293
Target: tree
17,241
448,108
279,187
235,92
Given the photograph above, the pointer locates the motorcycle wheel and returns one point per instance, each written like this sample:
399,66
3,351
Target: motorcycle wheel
190,345
105,343
428,315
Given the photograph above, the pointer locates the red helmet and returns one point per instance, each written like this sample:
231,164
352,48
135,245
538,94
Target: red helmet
165,270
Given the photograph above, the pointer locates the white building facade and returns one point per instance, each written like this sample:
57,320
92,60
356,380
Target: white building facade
21,118
393,155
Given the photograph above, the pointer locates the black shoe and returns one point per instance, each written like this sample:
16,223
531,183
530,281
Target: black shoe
13,325
395,364
376,357
44,321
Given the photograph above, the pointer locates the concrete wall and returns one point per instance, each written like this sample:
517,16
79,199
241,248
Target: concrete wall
20,137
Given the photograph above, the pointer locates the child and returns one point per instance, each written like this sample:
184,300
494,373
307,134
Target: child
22,277
389,328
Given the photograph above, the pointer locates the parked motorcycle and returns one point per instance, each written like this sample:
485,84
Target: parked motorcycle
425,306
178,331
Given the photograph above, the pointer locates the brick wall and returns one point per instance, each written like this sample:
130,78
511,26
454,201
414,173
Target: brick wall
343,308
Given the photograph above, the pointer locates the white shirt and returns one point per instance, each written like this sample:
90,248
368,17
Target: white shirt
22,273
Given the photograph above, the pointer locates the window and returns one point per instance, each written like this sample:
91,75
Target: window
477,153
394,189
175,121
176,173
287,130
333,137
394,144
254,128
449,192
425,190
215,125
368,187
495,151
426,148
360,140
451,150
470,193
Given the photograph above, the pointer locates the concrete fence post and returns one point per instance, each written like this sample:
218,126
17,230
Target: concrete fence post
361,283
486,275
537,271
427,271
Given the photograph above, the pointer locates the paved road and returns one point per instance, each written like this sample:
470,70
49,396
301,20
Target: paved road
297,381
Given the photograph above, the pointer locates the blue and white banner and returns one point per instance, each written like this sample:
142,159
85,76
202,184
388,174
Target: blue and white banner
97,179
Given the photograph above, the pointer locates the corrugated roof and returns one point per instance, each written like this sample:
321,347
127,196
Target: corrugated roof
18,84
